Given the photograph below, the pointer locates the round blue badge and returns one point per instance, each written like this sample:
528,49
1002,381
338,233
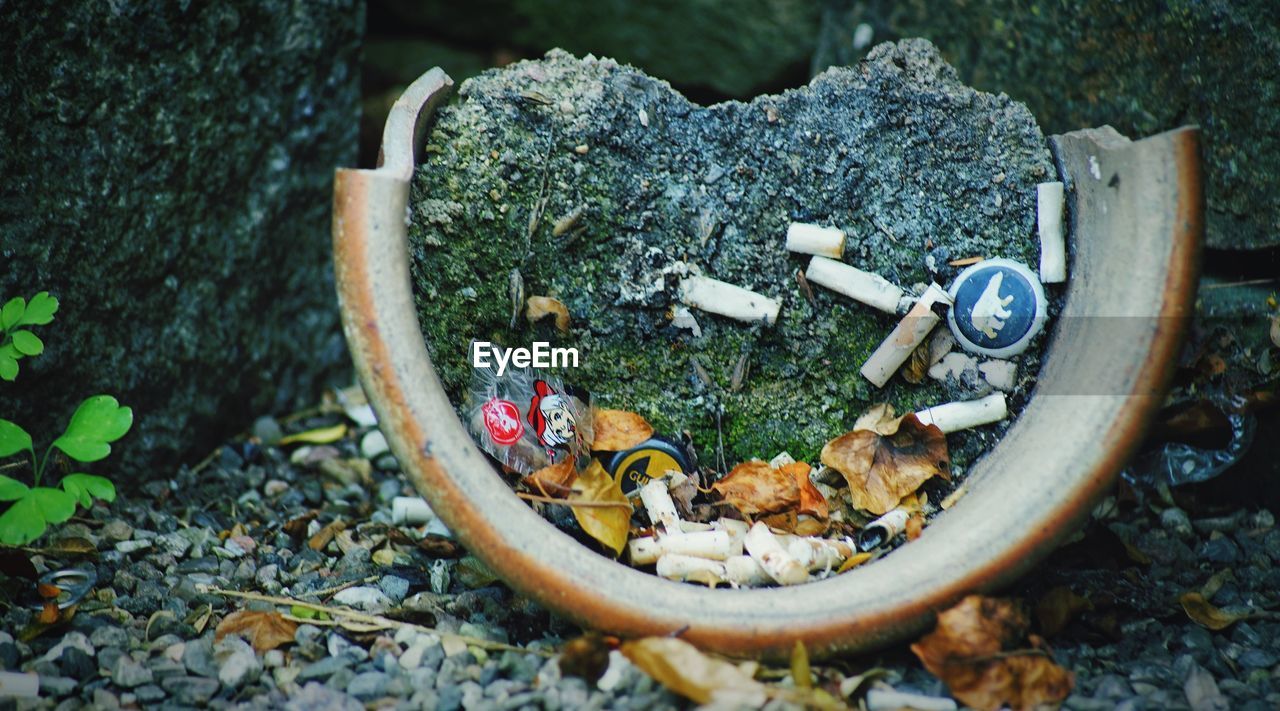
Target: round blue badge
998,307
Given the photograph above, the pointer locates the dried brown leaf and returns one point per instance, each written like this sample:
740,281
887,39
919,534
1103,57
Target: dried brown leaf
812,502
878,419
609,525
1057,608
264,630
980,650
1205,614
703,679
325,535
554,480
756,488
586,657
884,464
537,307
917,365
48,614
915,526
619,430
297,527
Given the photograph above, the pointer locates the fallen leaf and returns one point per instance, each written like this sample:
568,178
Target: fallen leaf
586,657
71,545
887,459
1205,614
537,307
553,480
1057,608
915,526
264,630
878,419
326,534
607,524
437,546
48,614
756,488
800,669
917,365
297,527
1215,583
619,430
320,435
854,561
703,679
981,650
48,591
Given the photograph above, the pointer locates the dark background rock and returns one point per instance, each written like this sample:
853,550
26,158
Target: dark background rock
167,173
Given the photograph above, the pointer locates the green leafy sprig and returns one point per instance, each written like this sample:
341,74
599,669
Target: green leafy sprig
16,340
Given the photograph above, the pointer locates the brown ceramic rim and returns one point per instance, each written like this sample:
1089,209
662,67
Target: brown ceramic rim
1136,245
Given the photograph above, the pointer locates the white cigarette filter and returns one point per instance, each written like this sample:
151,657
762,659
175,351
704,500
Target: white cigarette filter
815,239
905,337
882,530
410,510
658,504
712,545
744,571
871,289
818,553
767,550
956,416
737,531
689,569
1053,241
718,297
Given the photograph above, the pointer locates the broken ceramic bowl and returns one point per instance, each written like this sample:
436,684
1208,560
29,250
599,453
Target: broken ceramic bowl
1135,211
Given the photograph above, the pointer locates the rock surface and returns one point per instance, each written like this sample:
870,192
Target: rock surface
167,177
1142,67
636,186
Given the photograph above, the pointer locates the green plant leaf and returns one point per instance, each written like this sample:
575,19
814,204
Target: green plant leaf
8,366
27,343
55,505
22,523
12,489
98,421
12,312
40,310
86,487
13,439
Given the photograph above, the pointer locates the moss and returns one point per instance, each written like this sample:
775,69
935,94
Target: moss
915,167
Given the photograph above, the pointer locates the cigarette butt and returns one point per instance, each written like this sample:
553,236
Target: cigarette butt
818,553
871,289
815,239
1053,243
883,529
658,504
644,551
15,685
956,416
743,570
905,337
687,568
718,297
762,545
712,545
410,510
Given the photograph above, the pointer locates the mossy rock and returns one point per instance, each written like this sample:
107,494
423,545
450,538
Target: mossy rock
916,167
168,172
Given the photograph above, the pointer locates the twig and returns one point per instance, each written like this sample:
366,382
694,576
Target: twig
349,584
1250,282
565,502
370,619
14,465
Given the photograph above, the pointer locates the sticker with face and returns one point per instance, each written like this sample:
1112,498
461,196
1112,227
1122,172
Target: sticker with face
551,418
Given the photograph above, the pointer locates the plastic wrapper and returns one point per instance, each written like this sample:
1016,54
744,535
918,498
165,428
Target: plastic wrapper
527,419
1180,463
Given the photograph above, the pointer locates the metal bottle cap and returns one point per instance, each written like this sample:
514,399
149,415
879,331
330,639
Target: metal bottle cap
999,306
650,459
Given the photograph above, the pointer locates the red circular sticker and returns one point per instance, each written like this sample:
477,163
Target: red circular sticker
502,420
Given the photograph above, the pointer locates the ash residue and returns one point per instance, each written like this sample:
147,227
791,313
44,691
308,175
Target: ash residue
917,168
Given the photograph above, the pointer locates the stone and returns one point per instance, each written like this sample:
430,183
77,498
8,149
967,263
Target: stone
198,656
314,696
373,444
363,597
69,641
149,694
186,235
267,430
128,547
190,690
74,663
369,685
237,662
324,668
1220,550
117,530
128,673
1140,70
58,685
826,157
394,587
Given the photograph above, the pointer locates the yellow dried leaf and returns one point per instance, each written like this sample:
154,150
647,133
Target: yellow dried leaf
917,365
554,480
607,524
1205,614
619,430
538,307
755,488
703,679
884,464
915,526
981,650
854,561
953,497
264,630
800,669
321,435
878,419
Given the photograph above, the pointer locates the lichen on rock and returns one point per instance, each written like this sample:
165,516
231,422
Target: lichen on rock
915,167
